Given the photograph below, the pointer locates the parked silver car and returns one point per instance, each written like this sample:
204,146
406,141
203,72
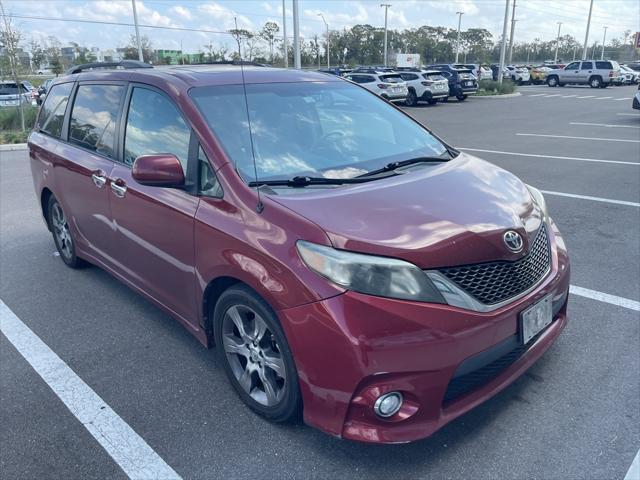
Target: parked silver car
12,96
595,73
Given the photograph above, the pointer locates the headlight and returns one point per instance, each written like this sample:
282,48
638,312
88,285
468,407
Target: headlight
379,276
540,201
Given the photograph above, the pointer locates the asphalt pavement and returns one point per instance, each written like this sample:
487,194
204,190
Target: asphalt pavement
575,414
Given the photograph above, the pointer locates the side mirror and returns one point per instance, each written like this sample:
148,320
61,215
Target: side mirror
158,170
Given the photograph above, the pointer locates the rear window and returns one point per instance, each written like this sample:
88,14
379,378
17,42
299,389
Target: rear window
603,65
10,89
409,76
52,111
464,70
394,78
433,76
94,117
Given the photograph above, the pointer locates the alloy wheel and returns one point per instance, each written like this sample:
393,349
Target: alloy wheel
254,355
61,231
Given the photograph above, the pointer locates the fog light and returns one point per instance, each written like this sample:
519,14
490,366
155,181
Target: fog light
388,404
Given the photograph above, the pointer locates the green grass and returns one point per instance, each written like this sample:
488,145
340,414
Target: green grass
13,137
10,125
491,87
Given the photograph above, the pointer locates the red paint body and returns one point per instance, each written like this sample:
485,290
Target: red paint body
172,246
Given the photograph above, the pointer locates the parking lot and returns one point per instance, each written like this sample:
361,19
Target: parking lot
575,414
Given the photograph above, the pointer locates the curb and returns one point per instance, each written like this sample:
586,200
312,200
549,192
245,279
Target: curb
12,147
506,95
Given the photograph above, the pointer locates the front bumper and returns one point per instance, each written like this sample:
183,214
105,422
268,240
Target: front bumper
435,94
351,348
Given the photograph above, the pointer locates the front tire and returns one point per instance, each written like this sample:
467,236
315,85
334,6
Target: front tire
62,235
461,97
256,356
552,81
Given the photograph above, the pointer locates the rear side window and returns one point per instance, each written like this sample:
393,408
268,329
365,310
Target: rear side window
587,66
409,76
53,108
94,117
155,125
394,78
603,65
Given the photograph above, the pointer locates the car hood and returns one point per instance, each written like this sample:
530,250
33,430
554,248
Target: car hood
453,213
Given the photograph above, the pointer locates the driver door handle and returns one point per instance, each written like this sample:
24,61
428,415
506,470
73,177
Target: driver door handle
118,187
99,178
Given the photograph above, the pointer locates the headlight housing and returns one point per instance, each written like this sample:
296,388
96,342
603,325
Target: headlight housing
540,201
379,276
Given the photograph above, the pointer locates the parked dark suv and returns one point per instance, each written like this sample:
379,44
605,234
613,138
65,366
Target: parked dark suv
462,81
347,264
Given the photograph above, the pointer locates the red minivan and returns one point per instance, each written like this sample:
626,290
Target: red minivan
348,264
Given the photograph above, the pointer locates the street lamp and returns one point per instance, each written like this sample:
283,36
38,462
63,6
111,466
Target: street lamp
386,8
326,25
604,37
557,42
458,43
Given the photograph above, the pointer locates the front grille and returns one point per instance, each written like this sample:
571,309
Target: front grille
458,386
494,282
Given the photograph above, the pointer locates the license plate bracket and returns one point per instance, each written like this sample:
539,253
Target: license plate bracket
536,318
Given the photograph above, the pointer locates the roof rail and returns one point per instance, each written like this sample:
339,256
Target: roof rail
229,62
126,64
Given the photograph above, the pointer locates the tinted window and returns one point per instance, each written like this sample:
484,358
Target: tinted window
329,129
94,117
573,66
11,89
154,125
52,112
409,76
208,182
603,65
587,66
395,78
433,76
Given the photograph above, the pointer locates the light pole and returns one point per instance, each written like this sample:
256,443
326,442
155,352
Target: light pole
458,43
604,37
555,60
386,8
328,47
586,35
296,36
284,35
513,27
503,47
135,21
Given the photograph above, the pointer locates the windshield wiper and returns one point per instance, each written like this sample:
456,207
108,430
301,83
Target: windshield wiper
306,181
395,165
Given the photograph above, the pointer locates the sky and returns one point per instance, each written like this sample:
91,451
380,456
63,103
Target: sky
535,18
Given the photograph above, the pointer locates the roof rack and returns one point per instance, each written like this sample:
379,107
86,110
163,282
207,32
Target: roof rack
228,62
126,64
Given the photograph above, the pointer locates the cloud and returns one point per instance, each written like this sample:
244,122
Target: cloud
181,12
225,15
339,19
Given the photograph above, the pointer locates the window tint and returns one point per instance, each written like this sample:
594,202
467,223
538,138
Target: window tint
94,117
12,89
393,78
154,125
433,76
208,184
53,108
573,66
586,66
409,76
603,65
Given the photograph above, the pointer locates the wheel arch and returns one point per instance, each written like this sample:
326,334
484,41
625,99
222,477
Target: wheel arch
45,195
210,297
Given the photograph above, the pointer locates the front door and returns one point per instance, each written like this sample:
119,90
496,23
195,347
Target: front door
154,225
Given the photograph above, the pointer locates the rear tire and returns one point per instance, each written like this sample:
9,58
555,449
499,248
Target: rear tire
461,97
595,82
552,81
412,99
62,236
255,354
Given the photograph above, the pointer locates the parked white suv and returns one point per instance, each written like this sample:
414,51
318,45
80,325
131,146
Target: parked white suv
389,85
595,73
425,85
519,75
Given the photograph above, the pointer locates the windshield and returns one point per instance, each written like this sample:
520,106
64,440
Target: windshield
319,129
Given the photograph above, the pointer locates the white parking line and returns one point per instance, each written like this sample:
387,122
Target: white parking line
604,125
621,99
538,95
603,98
126,447
577,138
588,96
554,95
568,96
634,470
629,114
549,156
605,297
595,199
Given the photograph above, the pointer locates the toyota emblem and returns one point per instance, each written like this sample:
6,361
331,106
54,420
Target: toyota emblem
513,241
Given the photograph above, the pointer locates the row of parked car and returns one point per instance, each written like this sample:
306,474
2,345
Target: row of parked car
411,85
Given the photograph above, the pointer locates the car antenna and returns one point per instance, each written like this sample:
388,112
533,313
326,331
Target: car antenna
260,205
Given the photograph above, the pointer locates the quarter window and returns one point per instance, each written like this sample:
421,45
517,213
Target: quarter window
94,117
208,182
603,65
154,125
52,112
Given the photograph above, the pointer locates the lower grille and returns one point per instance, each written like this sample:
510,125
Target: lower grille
494,282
